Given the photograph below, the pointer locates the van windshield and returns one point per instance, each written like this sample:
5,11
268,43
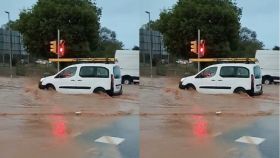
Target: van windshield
257,72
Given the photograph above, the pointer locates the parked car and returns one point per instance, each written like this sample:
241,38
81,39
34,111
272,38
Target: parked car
269,63
128,60
40,61
181,61
226,79
85,79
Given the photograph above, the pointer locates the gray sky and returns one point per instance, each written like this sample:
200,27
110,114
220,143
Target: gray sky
126,16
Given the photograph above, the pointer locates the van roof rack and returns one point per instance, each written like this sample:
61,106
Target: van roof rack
90,60
225,60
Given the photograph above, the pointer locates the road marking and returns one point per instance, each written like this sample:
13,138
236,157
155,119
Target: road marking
250,140
110,140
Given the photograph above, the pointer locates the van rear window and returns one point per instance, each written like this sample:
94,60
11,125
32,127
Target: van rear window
257,72
117,72
234,72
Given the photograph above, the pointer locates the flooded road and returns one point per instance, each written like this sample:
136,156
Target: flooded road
150,120
37,123
176,123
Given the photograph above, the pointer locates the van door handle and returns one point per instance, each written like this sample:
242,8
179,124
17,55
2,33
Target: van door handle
72,80
220,80
80,80
213,80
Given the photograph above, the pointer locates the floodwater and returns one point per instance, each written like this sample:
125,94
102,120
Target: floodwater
156,119
179,123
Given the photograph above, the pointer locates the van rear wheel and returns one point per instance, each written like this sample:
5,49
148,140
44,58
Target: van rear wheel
239,90
127,80
99,90
267,81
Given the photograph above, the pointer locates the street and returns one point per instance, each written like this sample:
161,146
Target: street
153,119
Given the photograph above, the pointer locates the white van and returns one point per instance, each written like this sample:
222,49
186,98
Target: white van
226,79
128,60
269,63
85,79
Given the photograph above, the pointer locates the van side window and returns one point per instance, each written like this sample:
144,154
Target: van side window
257,72
117,72
94,71
207,73
102,72
234,72
67,73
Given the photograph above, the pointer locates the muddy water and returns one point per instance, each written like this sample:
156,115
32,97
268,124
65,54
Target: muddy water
173,123
38,123
177,123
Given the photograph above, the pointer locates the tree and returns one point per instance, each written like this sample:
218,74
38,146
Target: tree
108,43
276,48
78,21
136,48
218,21
248,44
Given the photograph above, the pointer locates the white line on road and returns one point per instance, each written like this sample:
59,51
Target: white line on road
250,140
110,140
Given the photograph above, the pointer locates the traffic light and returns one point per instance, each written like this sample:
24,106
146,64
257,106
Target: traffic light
61,48
202,48
194,46
53,47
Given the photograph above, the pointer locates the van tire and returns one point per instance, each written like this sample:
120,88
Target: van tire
239,90
99,90
126,80
50,87
267,80
190,87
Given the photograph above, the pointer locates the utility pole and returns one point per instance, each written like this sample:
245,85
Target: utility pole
11,46
151,44
198,53
57,45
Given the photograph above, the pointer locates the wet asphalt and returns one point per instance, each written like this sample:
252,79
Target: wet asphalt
266,127
126,128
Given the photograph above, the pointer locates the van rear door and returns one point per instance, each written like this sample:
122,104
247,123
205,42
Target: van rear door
117,79
257,79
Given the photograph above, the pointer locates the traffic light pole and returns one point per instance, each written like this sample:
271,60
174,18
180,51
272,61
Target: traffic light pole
58,40
198,53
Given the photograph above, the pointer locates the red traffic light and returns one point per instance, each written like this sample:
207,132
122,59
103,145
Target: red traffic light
202,48
61,48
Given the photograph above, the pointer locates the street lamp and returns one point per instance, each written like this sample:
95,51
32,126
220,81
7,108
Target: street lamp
11,47
151,44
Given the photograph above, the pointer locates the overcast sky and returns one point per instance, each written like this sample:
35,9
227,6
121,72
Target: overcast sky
125,17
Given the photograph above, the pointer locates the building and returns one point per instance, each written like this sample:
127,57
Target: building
152,39
5,45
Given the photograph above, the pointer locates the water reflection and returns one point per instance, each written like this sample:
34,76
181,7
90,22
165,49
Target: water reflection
200,126
58,124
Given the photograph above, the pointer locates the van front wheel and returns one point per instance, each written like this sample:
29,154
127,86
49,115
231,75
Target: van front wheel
50,87
190,87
